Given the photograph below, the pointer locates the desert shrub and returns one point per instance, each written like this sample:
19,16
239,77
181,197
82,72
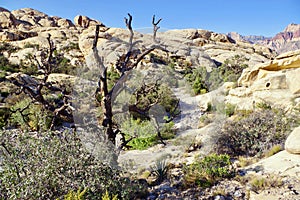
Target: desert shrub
259,183
209,170
145,133
254,133
160,170
275,149
30,45
263,105
6,47
197,79
4,115
203,81
227,108
6,66
72,195
154,94
107,196
70,46
64,66
29,116
112,77
49,165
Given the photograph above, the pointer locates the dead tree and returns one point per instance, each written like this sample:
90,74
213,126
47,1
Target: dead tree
34,87
155,27
124,65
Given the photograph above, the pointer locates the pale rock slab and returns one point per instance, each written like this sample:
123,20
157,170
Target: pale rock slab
292,143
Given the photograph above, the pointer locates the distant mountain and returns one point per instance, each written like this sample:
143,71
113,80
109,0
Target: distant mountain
287,40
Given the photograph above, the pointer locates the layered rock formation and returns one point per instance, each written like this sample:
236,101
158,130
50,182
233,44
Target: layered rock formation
287,40
275,82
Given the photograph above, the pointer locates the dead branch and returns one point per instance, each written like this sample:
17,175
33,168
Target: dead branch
96,36
155,27
33,87
129,26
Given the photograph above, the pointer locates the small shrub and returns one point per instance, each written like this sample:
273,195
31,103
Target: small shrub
258,183
142,143
70,46
112,76
197,79
275,149
30,45
29,116
106,196
246,161
263,105
7,47
160,170
209,170
253,134
79,195
143,131
6,66
4,115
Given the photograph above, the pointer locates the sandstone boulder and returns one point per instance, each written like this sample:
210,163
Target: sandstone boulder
85,22
293,80
7,19
47,22
7,36
282,62
66,23
292,143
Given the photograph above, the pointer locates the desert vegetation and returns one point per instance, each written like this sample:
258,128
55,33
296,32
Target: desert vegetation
65,127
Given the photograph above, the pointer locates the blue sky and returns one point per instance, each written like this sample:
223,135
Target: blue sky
255,17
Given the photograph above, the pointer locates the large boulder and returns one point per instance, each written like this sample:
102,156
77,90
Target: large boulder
292,79
7,36
66,23
7,19
281,73
292,143
284,61
85,22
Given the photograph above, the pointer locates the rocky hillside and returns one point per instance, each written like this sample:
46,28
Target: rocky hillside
287,40
247,115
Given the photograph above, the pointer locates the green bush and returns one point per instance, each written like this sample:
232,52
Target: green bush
203,81
79,195
70,46
112,77
145,133
6,66
29,116
197,79
30,45
160,170
254,133
6,47
49,165
209,170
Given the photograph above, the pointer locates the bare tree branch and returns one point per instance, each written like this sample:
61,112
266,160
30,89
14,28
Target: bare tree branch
96,36
155,27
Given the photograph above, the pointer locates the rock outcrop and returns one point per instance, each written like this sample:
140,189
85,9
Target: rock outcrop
85,22
275,82
272,73
7,20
